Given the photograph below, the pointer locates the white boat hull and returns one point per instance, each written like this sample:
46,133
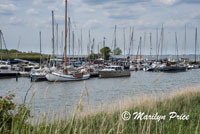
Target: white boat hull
61,77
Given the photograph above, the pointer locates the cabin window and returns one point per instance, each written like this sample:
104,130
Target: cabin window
4,68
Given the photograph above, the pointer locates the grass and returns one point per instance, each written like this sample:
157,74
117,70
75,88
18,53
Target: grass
109,121
14,54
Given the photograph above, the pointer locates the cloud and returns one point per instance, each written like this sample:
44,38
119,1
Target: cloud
92,23
15,21
190,1
39,2
7,9
85,10
59,19
124,16
100,2
32,11
168,2
54,8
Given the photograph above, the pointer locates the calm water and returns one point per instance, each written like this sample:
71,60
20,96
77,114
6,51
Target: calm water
58,95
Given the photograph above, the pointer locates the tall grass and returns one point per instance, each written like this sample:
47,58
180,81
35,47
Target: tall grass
109,121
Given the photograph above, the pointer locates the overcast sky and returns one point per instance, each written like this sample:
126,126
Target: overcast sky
23,19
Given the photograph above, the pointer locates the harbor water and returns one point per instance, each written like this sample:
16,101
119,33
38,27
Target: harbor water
66,95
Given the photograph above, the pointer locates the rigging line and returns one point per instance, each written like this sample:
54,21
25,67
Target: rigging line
5,44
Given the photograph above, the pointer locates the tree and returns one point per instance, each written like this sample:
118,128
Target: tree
105,52
117,51
92,57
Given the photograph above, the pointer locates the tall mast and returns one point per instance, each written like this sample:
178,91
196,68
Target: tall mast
69,27
115,39
176,41
73,38
185,42
65,57
61,50
81,45
162,40
124,43
196,45
144,42
130,46
140,48
157,43
132,40
89,43
1,44
104,44
150,44
92,48
40,50
53,51
57,39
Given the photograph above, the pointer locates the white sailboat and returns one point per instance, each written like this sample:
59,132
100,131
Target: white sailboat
54,76
65,75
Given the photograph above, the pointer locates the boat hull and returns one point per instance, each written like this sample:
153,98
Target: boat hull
112,74
174,69
38,78
61,77
9,75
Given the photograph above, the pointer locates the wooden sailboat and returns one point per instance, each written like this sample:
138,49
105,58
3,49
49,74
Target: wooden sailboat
65,75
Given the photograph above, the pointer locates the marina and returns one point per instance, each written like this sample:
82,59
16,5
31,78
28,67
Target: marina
58,95
91,66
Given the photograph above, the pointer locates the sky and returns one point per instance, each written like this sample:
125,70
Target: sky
22,20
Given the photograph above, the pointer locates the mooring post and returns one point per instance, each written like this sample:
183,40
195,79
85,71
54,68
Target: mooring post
17,77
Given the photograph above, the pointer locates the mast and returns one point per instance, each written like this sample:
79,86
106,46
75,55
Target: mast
53,51
115,39
104,42
176,41
92,47
81,45
4,42
40,50
69,38
17,46
61,44
73,38
124,43
144,42
157,43
140,48
65,57
162,41
185,41
150,44
57,39
1,44
196,45
129,50
132,40
89,43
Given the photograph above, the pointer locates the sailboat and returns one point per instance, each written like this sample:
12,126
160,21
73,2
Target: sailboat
39,74
66,74
174,67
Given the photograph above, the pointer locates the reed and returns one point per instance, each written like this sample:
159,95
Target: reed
109,121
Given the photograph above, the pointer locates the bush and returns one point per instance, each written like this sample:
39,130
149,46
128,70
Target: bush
11,113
